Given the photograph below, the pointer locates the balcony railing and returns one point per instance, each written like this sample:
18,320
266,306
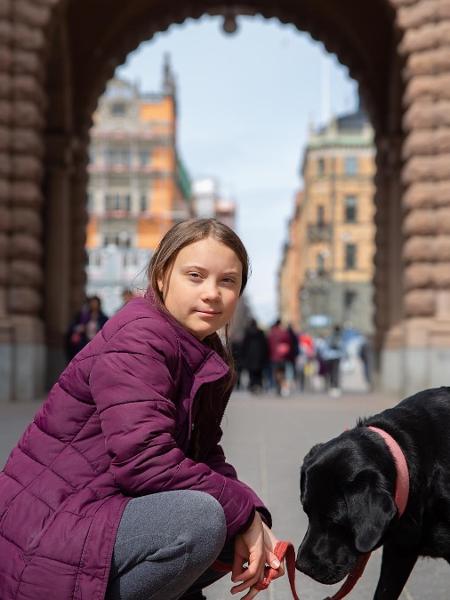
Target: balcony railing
319,232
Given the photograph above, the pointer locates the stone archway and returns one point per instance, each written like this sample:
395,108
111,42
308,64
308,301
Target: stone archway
55,59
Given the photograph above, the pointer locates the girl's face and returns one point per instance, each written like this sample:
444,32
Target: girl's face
201,289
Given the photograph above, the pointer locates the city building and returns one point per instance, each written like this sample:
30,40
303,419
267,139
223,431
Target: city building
327,269
208,201
138,186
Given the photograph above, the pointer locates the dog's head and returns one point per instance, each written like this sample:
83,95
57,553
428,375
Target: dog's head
349,504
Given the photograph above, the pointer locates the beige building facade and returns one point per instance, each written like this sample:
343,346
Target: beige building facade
332,232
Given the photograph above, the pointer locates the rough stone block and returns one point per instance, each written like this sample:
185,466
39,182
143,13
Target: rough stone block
35,14
428,62
418,275
25,246
28,38
24,301
6,34
5,218
420,248
422,168
25,273
26,113
6,57
441,247
28,141
5,139
26,220
5,112
441,275
420,303
26,193
28,168
5,164
427,194
27,63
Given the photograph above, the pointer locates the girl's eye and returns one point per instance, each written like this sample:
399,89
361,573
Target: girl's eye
194,275
229,281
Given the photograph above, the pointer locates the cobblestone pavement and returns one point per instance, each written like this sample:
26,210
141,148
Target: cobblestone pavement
266,437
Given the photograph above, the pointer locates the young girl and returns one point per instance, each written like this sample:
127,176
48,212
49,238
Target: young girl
119,487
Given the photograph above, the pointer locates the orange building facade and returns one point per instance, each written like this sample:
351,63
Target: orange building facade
138,187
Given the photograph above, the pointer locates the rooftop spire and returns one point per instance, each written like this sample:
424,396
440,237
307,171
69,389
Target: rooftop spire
169,86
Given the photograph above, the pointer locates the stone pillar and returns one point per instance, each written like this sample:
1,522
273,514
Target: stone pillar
6,370
22,111
421,341
58,249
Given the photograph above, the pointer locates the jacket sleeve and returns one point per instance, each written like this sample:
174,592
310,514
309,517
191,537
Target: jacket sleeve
217,462
133,392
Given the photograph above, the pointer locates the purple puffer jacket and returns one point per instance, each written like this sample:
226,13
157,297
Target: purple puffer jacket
116,425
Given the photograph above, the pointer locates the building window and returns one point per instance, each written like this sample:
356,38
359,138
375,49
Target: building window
117,157
95,259
321,167
144,156
350,209
118,109
351,165
143,203
349,299
320,215
118,202
320,263
350,257
122,239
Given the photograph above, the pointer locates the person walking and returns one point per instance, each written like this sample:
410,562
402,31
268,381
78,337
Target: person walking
119,488
279,349
334,354
85,326
255,355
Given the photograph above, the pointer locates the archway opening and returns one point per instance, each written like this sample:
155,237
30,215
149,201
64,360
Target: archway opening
354,43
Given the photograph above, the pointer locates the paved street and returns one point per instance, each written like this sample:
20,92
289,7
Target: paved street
266,438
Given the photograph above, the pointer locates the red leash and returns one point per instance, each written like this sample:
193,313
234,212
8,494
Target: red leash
283,550
352,578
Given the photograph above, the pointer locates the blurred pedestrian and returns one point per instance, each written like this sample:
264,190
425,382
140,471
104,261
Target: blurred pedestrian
255,355
85,326
236,353
366,356
294,350
75,338
333,355
305,363
279,350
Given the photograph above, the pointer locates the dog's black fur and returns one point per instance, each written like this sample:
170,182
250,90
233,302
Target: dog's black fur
347,491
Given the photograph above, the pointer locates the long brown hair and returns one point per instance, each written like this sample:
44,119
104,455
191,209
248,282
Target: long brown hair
181,235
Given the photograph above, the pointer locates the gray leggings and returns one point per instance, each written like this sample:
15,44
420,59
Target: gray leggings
164,546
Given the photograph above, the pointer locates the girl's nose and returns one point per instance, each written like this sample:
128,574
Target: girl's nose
211,291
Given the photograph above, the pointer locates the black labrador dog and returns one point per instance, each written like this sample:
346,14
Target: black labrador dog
347,491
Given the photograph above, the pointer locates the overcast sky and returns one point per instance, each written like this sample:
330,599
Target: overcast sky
245,102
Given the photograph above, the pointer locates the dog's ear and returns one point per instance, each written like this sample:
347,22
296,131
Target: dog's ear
312,452
306,460
370,510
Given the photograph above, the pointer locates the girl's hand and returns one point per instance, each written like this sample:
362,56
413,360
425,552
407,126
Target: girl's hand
249,548
270,541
